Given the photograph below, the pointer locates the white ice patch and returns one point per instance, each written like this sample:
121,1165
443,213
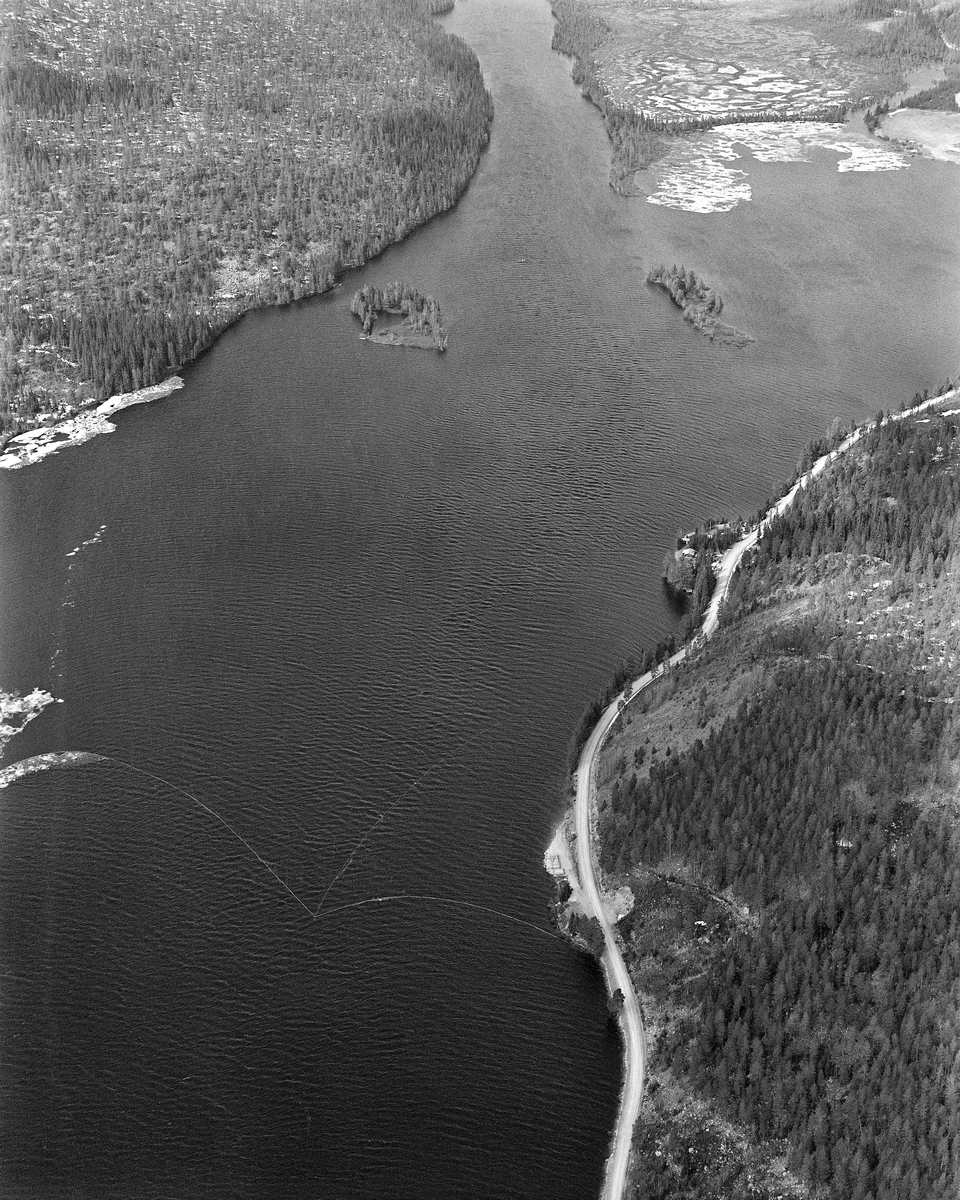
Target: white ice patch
867,158
31,447
700,185
692,176
55,760
16,711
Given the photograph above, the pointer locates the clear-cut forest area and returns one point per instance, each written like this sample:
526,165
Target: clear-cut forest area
784,810
167,166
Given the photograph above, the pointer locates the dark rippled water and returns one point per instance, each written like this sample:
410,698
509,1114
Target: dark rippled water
342,582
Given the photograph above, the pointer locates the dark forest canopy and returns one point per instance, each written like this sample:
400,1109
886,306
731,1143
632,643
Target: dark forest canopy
795,788
170,166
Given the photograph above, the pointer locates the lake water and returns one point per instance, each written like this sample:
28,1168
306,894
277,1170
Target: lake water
342,582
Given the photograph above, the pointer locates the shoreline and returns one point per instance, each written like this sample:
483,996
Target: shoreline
73,427
38,443
587,883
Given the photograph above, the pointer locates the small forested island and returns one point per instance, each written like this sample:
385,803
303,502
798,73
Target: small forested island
421,324
782,808
698,302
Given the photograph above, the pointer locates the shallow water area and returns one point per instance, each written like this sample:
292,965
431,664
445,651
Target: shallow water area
331,612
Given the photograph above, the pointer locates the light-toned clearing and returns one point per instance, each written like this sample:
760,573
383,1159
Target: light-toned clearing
36,444
936,134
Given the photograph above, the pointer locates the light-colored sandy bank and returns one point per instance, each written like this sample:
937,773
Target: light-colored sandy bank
36,444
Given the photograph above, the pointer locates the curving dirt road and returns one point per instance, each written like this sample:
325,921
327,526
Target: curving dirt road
615,969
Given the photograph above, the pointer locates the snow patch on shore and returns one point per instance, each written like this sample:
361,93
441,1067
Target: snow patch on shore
16,711
55,760
692,176
36,444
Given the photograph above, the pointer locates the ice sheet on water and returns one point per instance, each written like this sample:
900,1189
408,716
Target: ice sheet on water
17,710
692,176
700,185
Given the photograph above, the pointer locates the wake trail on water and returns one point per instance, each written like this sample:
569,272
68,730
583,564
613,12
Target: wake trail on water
223,821
62,759
441,900
386,813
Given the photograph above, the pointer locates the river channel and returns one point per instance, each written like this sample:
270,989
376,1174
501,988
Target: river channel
347,590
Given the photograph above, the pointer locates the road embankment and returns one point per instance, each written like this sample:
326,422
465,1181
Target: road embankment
573,851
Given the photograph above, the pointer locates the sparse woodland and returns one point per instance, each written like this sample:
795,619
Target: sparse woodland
169,165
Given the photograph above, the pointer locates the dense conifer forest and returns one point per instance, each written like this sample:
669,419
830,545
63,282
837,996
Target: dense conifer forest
169,165
785,810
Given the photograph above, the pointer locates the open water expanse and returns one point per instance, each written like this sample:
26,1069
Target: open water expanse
340,582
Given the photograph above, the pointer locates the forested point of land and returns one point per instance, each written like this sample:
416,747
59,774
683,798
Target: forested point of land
168,166
785,809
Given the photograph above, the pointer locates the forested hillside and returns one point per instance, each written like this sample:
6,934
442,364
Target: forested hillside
785,809
167,166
